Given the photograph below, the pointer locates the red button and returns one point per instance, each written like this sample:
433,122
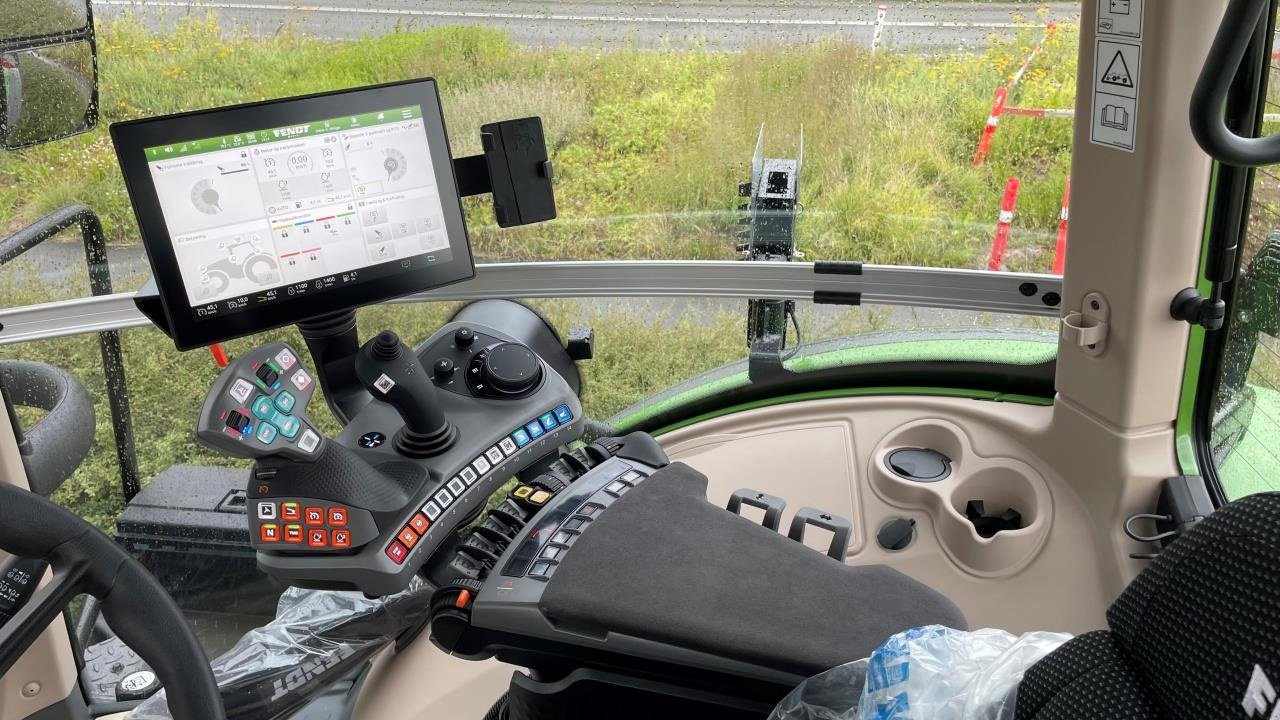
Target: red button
397,552
290,511
269,533
338,516
317,538
420,523
314,516
342,538
293,533
408,537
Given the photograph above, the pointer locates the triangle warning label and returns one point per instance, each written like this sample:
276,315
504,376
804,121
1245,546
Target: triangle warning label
1118,72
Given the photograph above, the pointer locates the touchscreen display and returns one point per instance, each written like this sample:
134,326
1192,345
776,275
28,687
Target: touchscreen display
273,213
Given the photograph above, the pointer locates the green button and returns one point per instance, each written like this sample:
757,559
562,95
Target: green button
266,433
262,408
289,425
285,401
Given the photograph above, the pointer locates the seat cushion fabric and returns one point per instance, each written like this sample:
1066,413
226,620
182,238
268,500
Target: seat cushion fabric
1088,678
1206,613
666,565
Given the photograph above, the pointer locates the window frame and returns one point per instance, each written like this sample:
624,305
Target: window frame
1227,225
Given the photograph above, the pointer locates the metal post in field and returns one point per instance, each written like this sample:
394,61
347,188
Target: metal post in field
879,28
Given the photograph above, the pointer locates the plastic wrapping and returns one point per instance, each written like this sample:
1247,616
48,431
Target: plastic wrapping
928,673
316,638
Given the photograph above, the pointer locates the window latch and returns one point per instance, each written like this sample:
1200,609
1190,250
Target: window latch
1197,310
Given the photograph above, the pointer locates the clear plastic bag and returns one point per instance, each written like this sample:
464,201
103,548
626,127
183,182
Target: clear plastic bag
928,673
316,638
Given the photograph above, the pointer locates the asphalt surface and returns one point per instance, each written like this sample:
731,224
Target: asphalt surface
730,25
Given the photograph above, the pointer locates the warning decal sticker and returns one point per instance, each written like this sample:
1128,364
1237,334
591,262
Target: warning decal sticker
1117,76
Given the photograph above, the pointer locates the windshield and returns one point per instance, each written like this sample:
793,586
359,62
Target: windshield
933,134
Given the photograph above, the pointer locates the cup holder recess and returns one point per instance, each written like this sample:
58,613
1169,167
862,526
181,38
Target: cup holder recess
919,464
988,525
991,514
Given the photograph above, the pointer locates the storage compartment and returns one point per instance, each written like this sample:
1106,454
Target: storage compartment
991,547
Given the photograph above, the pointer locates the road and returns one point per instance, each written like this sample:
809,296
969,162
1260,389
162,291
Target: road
729,25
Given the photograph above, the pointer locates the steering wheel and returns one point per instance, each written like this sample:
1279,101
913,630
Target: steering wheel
133,603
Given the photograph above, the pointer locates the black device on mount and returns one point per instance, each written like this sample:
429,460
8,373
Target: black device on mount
773,194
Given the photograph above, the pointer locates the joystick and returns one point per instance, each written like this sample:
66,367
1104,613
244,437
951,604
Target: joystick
393,374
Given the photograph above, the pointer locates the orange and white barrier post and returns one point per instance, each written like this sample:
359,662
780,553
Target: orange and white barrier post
879,29
1001,243
1060,251
989,132
1002,96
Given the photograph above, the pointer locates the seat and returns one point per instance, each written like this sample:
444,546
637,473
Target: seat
1195,636
666,565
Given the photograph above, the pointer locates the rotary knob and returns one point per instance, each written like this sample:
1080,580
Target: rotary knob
510,369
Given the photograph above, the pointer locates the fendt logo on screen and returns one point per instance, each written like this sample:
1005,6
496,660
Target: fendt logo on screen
1260,697
291,131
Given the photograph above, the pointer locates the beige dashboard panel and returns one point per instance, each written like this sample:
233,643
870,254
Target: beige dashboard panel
420,681
829,454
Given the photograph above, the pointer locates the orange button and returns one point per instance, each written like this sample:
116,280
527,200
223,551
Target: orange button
313,516
317,538
342,538
269,533
290,511
338,516
293,533
420,523
408,536
463,599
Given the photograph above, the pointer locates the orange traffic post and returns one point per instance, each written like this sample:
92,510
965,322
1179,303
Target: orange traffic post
1005,224
1060,251
993,122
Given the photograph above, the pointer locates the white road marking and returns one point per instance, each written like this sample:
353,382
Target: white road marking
628,19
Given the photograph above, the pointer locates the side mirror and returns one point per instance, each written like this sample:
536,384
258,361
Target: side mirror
48,71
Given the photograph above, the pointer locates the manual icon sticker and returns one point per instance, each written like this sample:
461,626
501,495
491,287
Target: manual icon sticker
1117,74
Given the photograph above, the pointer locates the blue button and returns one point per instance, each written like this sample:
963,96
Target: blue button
266,433
262,408
285,402
521,437
563,414
548,421
289,425
535,430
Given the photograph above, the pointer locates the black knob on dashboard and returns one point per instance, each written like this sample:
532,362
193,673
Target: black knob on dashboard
443,368
463,337
511,368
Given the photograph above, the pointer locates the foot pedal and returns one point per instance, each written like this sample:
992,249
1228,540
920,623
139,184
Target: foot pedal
770,504
841,529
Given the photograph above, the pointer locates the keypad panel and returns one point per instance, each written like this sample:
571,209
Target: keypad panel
257,407
309,525
487,463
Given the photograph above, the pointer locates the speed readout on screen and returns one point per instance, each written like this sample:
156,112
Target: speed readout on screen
263,215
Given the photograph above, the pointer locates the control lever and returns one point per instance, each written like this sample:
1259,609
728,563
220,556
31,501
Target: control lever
393,374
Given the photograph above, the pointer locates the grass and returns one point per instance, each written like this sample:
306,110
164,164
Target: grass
649,148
